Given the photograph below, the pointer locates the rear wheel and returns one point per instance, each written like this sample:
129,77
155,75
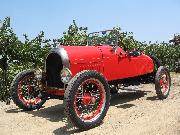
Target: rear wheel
87,99
156,61
162,82
24,91
157,64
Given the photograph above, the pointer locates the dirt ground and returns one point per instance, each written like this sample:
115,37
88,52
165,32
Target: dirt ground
130,113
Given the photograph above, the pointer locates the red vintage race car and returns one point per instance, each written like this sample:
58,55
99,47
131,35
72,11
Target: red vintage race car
85,77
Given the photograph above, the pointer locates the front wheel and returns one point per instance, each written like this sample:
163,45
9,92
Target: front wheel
25,92
162,82
87,99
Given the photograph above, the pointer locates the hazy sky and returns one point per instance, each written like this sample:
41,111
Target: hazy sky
148,20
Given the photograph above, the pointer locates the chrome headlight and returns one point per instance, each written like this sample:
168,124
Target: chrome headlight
38,74
66,75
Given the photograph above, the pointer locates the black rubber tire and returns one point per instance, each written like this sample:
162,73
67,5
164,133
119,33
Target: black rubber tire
156,62
69,98
162,70
14,92
150,78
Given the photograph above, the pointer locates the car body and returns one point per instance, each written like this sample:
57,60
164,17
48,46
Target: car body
113,65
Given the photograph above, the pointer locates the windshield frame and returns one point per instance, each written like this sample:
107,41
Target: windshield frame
101,32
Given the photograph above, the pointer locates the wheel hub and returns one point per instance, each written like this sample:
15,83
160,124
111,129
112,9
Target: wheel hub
87,99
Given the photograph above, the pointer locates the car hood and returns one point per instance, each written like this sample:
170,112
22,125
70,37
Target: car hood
83,54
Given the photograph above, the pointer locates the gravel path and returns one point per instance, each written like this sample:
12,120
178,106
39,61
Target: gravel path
130,113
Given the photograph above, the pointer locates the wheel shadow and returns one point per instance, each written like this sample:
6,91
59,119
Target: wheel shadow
56,113
52,113
154,98
120,100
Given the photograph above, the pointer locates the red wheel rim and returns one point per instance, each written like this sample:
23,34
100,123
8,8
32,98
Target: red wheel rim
90,100
164,83
26,93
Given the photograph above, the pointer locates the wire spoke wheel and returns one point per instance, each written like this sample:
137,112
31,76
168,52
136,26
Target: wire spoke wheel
25,91
89,100
162,82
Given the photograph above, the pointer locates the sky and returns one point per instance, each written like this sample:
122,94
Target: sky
149,20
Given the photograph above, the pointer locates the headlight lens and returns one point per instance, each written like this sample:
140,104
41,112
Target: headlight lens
38,74
66,75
